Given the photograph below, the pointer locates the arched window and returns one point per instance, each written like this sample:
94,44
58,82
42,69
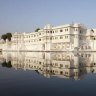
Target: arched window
39,39
61,30
61,72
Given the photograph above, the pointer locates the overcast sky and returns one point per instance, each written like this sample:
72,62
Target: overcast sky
26,15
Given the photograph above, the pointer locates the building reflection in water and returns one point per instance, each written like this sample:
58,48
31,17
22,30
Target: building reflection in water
62,65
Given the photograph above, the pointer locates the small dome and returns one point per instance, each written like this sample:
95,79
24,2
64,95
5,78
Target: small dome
48,26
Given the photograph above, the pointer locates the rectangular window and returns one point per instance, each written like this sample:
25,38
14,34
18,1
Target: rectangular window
56,37
61,37
66,66
66,36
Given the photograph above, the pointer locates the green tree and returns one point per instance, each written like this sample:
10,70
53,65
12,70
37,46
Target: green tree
9,35
37,29
5,64
6,36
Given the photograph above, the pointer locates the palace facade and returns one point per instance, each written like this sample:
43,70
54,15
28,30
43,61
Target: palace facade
69,37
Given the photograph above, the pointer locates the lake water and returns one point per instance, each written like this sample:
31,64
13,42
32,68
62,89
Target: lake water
47,74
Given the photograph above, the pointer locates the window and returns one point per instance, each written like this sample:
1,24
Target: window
85,47
56,37
66,29
39,39
66,66
53,38
61,72
81,55
61,37
50,38
80,38
61,65
56,64
66,73
56,31
92,30
80,31
89,47
61,30
76,29
66,36
81,47
76,73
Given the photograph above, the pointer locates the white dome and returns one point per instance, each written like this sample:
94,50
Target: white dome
48,26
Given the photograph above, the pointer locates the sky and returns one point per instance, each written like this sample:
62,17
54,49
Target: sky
27,15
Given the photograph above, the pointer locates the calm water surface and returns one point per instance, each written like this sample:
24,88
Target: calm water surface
47,74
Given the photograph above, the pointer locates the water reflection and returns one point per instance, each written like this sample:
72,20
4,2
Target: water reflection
62,65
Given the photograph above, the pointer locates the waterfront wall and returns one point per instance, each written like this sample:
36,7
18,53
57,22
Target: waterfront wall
70,37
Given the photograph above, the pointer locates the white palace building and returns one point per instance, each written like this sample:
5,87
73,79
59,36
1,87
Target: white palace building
69,37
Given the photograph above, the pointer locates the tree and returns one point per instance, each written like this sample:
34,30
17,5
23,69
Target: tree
8,65
37,29
9,35
6,36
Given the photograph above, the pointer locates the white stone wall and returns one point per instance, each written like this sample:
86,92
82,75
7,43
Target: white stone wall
70,37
